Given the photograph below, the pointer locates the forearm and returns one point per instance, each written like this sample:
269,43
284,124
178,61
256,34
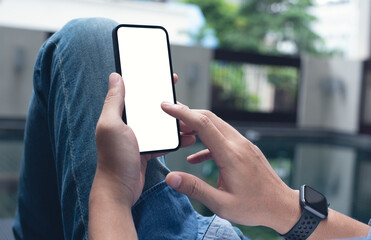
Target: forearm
109,216
337,225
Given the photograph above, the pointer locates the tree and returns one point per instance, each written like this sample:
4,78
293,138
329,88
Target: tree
264,26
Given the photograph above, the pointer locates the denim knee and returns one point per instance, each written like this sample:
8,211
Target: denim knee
83,28
85,35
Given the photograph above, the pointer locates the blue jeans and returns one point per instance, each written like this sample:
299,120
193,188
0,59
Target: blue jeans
59,162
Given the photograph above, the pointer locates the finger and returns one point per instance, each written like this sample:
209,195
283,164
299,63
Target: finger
227,130
205,128
114,102
187,140
175,78
200,156
185,128
195,188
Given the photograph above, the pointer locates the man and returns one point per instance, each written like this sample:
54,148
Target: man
72,187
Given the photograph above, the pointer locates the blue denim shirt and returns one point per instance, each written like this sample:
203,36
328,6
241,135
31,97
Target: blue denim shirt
176,220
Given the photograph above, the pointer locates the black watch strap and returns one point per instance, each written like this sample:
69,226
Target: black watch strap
304,227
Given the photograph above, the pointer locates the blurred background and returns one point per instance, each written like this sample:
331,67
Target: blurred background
293,76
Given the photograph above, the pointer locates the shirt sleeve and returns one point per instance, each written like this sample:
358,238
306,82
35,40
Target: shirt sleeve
369,233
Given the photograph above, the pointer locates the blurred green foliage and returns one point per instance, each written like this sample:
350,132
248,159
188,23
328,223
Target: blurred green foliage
259,233
284,78
265,26
231,89
262,25
234,93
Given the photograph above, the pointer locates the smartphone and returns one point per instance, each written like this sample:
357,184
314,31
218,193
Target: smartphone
142,57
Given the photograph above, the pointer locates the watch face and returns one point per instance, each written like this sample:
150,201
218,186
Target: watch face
315,200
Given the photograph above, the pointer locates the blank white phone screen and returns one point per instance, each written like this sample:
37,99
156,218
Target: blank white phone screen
145,69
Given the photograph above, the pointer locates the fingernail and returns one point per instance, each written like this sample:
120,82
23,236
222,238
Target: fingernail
175,181
167,104
114,78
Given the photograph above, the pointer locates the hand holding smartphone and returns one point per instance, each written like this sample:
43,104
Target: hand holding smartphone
142,57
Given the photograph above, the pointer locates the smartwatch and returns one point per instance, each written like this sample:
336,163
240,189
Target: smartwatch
315,209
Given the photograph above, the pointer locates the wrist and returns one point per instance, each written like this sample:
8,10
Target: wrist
106,199
285,212
108,189
110,215
314,208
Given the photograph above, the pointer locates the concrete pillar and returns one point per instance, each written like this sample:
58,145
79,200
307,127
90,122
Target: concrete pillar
330,94
330,170
192,64
18,52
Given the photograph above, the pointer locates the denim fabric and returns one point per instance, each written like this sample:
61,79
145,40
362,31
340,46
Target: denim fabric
59,161
221,229
369,233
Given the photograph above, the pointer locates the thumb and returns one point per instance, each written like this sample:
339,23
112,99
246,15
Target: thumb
114,102
195,188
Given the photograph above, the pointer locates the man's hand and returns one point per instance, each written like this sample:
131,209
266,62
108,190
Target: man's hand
249,190
119,178
119,162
